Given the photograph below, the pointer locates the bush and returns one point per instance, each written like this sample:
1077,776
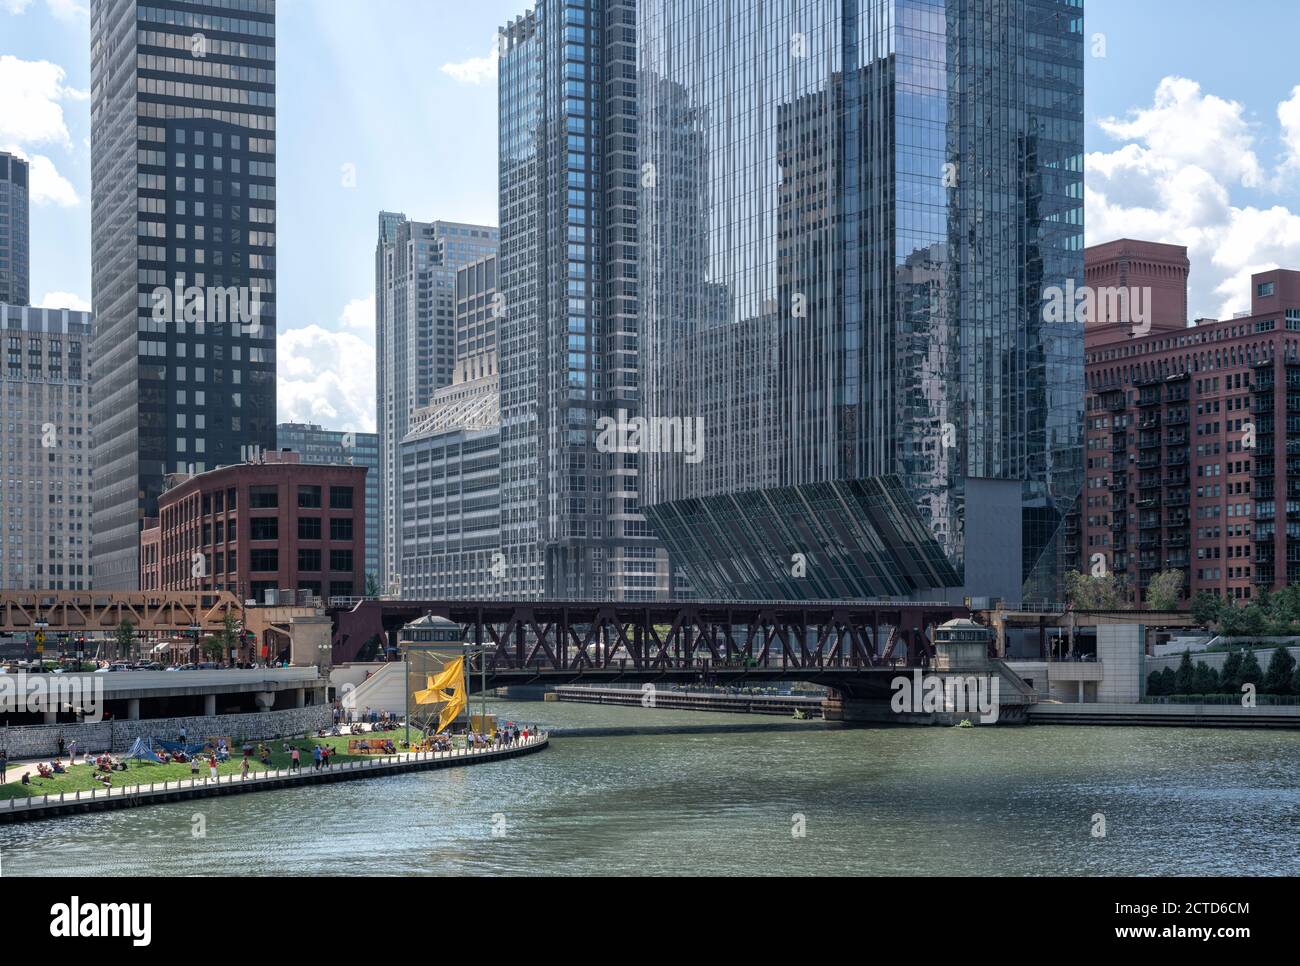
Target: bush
1206,679
1230,674
1251,673
1281,668
1156,684
1168,681
1186,676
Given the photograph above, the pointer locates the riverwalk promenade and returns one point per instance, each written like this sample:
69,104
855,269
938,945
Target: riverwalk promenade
132,796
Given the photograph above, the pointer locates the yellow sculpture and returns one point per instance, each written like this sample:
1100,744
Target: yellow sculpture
448,686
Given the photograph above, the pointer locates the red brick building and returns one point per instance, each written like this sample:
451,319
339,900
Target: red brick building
274,524
1192,433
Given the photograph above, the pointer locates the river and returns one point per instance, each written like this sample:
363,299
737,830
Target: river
739,794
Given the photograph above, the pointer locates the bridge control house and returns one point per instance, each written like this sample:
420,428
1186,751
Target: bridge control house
275,530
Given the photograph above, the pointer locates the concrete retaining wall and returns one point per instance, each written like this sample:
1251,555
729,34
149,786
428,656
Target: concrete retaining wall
36,741
1214,659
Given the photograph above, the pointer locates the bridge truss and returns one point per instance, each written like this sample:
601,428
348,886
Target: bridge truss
86,612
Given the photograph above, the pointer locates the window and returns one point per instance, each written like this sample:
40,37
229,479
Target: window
309,497
263,497
309,528
341,529
340,498
341,589
231,503
264,528
341,560
309,561
263,560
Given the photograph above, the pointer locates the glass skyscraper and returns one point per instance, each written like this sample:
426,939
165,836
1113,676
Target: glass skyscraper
183,252
15,233
568,342
857,211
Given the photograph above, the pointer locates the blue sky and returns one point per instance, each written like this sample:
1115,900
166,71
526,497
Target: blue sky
1184,137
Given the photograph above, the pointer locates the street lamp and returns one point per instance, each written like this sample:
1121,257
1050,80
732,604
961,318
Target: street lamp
481,651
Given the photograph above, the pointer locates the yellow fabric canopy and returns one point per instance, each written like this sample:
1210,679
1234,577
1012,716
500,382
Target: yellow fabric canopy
448,686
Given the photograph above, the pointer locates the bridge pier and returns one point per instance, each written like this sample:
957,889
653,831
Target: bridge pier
133,709
209,705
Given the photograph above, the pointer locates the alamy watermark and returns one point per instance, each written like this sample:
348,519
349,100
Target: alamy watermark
653,434
953,693
1087,305
24,693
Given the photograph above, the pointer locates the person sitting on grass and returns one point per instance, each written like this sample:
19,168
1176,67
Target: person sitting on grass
44,770
58,767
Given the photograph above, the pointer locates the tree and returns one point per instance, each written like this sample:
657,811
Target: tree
1168,681
229,637
1186,676
125,637
1205,680
1156,684
1295,682
1206,607
211,647
372,584
1277,680
1086,592
1230,673
1250,669
1164,590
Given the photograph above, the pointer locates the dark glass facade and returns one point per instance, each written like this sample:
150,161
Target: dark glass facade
15,233
858,212
183,252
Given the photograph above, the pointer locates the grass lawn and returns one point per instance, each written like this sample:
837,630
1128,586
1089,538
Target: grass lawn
81,777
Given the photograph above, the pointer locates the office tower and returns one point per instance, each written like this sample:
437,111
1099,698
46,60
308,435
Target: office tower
15,238
1191,434
45,434
415,279
183,252
866,204
568,339
325,446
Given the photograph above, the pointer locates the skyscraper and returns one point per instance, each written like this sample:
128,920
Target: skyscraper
15,234
568,341
183,252
415,341
45,442
859,213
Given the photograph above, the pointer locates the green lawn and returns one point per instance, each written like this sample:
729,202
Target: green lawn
81,777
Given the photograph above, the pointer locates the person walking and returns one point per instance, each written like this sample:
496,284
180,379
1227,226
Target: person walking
4,764
243,768
316,758
295,758
212,767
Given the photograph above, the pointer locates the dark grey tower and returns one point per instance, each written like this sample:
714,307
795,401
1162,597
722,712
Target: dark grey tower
15,237
183,252
862,208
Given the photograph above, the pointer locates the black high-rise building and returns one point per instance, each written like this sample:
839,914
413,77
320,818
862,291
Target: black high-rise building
183,252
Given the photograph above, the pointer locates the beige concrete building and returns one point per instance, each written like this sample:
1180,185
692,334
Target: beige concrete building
45,501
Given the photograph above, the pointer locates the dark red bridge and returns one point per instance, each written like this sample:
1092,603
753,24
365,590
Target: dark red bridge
553,642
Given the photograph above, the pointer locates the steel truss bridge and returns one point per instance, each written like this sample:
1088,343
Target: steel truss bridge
523,642
88,612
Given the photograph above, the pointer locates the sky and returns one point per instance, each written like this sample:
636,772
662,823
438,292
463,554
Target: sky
1192,134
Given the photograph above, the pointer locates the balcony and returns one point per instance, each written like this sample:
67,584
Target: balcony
1148,461
1266,405
1177,499
1149,523
1114,404
1176,479
1148,399
1148,503
1178,541
1149,421
1176,418
1149,441
1176,459
1180,562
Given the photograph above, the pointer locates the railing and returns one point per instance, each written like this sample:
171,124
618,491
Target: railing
267,775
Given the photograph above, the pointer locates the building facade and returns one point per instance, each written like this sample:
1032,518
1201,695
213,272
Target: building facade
15,231
45,447
868,205
294,529
1192,435
568,339
415,341
183,252
317,445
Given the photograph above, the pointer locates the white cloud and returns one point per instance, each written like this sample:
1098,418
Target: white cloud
15,6
30,112
1288,115
326,377
1188,127
63,300
1173,182
475,70
47,187
359,315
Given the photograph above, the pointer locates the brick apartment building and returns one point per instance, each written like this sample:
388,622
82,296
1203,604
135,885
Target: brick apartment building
1192,436
275,524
